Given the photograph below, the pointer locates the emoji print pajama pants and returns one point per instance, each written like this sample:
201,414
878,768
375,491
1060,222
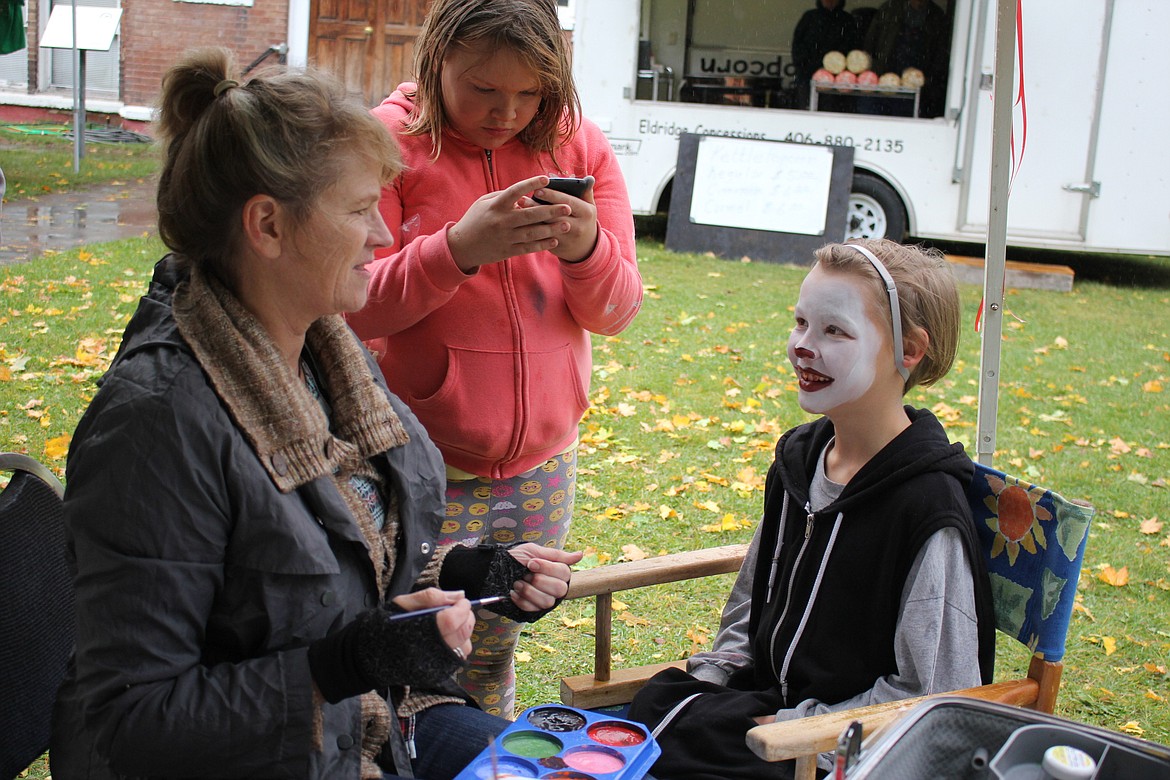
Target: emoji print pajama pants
535,506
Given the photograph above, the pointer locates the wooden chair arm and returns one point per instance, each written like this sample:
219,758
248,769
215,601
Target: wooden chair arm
806,737
628,575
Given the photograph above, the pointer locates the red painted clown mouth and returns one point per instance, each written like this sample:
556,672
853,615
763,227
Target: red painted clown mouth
811,381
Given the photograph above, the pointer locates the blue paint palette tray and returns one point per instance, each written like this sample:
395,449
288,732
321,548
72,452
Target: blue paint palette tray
555,742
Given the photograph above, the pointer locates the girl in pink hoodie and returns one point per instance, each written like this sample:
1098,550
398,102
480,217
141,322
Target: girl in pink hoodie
481,318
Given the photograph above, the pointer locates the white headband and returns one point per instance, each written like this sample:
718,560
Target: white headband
895,310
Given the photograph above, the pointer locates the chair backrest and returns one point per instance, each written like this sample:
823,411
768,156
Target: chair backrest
1034,540
36,618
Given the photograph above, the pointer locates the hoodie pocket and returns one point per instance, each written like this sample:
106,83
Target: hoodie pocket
490,398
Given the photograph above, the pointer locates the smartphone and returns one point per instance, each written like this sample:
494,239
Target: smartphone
567,184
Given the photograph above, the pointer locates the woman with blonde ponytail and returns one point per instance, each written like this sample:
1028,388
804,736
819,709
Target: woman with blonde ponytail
248,508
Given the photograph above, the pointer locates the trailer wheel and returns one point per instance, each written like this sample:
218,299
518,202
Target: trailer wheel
875,210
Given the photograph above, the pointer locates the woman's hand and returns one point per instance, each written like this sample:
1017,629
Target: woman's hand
578,242
455,624
547,579
507,223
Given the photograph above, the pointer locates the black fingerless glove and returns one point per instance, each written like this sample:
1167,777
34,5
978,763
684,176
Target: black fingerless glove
488,570
373,653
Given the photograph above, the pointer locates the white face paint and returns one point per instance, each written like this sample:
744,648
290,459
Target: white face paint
835,344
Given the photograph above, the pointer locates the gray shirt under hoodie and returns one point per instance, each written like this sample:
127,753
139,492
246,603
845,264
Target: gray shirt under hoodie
936,629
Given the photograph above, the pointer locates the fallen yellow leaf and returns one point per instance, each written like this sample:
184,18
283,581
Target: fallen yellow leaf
631,552
632,620
726,523
1133,727
1115,577
58,447
1151,526
1110,645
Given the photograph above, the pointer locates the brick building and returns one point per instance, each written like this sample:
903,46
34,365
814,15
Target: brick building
367,43
122,85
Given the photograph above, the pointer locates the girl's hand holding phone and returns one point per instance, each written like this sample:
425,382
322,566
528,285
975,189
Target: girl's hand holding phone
507,223
579,241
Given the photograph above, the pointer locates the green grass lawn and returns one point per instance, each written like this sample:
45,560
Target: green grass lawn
687,406
35,165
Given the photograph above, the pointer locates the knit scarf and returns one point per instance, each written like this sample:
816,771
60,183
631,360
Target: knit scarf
289,431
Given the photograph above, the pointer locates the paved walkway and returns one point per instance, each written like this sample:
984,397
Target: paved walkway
62,221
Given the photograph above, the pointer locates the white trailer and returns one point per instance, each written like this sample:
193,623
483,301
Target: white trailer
1094,174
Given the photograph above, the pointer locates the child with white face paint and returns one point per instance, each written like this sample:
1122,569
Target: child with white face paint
862,584
836,344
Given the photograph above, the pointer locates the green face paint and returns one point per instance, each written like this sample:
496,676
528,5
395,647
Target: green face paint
530,744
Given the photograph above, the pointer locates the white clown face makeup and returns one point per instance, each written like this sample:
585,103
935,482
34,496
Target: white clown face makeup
836,344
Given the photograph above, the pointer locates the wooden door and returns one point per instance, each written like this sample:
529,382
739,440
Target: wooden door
369,44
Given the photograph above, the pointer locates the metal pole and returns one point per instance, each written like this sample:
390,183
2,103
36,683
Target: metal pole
996,254
78,96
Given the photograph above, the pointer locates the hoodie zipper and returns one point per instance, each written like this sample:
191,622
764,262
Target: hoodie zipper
782,673
510,299
808,525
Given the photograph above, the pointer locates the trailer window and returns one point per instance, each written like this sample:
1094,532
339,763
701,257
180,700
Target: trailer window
891,57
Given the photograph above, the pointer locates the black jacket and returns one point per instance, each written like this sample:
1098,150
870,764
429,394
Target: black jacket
839,578
185,543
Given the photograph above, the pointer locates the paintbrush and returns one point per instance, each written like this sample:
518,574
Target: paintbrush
475,604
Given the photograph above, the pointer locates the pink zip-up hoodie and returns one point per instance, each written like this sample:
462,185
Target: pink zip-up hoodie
496,364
